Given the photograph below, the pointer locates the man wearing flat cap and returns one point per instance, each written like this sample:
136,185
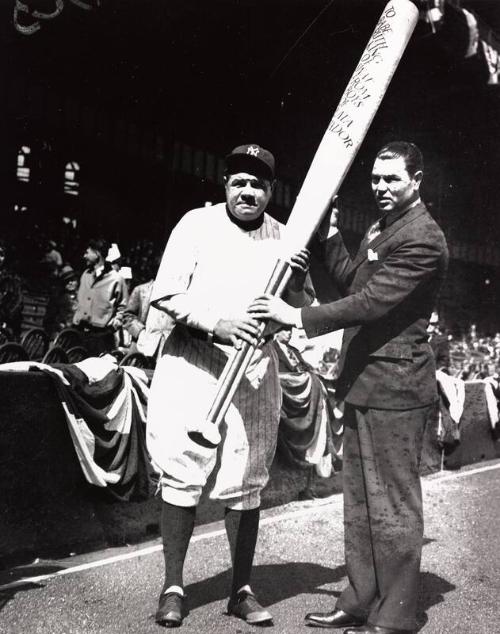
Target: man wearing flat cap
216,260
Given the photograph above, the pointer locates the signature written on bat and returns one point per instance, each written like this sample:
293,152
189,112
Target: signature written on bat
377,41
359,88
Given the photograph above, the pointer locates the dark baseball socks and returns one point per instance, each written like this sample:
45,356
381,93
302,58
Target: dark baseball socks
242,528
177,524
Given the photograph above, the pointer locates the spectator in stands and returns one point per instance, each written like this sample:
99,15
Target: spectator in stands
52,259
439,343
63,304
11,295
290,358
102,298
473,332
147,326
114,257
328,366
126,273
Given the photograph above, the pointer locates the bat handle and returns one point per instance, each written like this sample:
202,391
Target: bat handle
207,433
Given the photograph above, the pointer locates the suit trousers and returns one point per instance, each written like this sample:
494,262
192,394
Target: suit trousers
383,515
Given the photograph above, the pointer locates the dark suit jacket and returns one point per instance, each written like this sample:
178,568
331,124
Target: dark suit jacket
390,291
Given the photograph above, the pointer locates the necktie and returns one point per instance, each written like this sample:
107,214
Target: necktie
375,229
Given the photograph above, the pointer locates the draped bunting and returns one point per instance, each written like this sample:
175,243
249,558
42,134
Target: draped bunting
452,402
309,434
106,420
308,430
105,409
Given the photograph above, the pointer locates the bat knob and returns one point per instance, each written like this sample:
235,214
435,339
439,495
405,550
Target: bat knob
206,435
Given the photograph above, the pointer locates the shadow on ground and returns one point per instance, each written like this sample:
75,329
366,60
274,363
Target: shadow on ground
432,591
9,594
294,578
304,578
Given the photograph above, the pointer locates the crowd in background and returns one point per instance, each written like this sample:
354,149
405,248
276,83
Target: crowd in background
467,356
53,267
40,266
475,357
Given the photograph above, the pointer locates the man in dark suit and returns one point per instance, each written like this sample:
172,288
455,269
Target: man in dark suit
387,380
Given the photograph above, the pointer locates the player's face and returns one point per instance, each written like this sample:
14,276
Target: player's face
392,185
247,196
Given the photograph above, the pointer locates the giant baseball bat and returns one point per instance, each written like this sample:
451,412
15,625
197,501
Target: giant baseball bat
333,158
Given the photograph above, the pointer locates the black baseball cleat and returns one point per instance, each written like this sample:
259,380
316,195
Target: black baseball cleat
245,606
170,610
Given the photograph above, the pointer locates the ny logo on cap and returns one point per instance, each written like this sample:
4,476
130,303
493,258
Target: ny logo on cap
254,151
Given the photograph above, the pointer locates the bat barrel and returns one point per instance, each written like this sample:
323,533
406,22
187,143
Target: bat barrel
351,120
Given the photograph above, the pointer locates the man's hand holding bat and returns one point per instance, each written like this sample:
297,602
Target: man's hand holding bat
273,308
235,331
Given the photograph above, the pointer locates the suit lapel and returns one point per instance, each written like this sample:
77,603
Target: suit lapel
387,233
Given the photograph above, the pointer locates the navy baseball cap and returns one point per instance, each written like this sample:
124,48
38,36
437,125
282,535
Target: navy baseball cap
251,158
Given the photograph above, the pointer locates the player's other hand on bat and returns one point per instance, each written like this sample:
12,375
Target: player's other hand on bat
328,226
271,307
300,266
236,331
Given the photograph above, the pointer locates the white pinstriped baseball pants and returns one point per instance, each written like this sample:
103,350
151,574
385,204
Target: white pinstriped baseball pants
182,389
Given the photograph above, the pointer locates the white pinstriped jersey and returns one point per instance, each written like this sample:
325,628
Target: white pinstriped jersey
213,269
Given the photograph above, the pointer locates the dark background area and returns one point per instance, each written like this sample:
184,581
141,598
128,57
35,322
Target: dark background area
132,89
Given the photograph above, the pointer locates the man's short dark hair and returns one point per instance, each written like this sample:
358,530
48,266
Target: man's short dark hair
408,151
100,245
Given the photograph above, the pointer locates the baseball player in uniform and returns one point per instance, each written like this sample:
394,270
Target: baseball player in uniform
216,261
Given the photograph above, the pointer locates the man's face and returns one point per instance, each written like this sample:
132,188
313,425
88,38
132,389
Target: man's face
71,285
393,187
247,196
284,335
91,257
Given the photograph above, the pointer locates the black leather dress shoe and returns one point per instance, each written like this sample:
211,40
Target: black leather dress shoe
170,610
337,618
375,629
